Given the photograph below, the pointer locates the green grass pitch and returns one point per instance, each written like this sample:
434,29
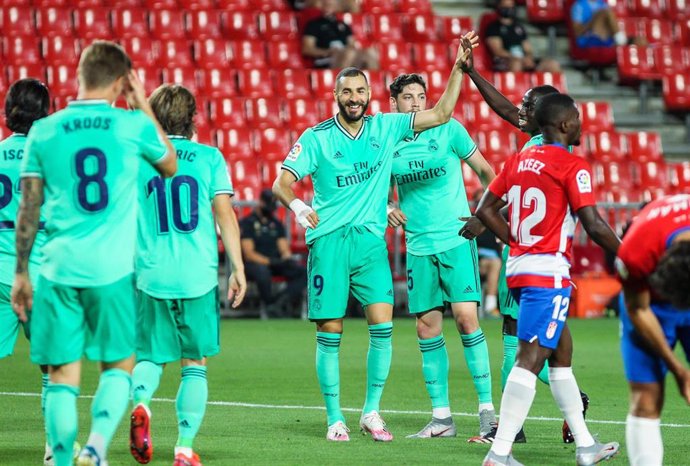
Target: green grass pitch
266,407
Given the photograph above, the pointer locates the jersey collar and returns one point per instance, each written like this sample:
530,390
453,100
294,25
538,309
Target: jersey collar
176,136
346,132
21,135
81,102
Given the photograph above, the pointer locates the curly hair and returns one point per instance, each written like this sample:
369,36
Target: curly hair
399,83
671,277
27,101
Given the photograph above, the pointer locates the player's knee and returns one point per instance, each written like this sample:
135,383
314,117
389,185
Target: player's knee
428,329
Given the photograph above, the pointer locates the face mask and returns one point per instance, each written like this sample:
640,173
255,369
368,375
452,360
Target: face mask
267,210
506,12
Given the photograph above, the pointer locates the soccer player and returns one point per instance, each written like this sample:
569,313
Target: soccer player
349,157
523,119
539,232
85,159
177,274
441,266
653,265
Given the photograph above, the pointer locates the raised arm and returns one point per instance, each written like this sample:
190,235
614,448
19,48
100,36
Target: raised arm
597,229
230,235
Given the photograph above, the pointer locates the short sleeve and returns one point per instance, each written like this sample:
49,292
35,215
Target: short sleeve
31,164
246,228
301,161
630,267
493,29
460,141
222,183
152,147
397,125
577,13
578,185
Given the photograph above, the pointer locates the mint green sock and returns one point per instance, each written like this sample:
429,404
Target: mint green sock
328,373
477,358
45,379
435,370
61,420
544,373
191,404
146,377
378,363
108,407
510,344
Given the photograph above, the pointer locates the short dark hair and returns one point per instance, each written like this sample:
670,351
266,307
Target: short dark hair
551,109
546,89
174,107
27,100
350,72
403,80
101,63
672,274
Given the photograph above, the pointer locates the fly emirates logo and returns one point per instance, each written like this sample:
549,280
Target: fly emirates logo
531,165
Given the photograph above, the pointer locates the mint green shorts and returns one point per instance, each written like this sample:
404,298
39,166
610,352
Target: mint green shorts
450,276
172,329
68,322
350,258
9,323
506,303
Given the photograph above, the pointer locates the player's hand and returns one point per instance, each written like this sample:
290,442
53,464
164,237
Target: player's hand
307,217
237,288
467,63
468,41
472,228
22,296
683,381
396,218
134,91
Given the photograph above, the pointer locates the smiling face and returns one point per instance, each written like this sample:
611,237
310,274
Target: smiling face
411,99
526,120
352,94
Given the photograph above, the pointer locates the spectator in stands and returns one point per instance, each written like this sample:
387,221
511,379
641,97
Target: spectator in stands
506,39
330,44
267,254
595,24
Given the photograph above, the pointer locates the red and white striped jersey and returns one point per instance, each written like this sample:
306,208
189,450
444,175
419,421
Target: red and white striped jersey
544,187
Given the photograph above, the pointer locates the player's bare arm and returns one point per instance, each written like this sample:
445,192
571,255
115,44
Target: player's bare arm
647,325
481,167
497,101
282,189
489,212
443,110
230,235
27,226
597,229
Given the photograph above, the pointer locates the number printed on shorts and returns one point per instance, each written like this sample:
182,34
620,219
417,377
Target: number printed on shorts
178,184
560,307
92,192
533,198
410,280
318,284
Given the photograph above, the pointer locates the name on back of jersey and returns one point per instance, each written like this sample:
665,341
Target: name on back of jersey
13,154
77,124
531,165
186,155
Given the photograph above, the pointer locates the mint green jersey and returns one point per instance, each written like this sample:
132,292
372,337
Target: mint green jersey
177,249
11,155
427,169
538,140
88,156
351,174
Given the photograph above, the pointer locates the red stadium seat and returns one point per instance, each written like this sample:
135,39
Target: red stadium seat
197,5
385,28
327,109
212,53
557,80
271,168
377,7
482,118
322,83
588,258
175,52
248,54
631,26
292,84
227,112
21,71
677,10
619,7
657,31
612,174
646,8
652,174
17,21
255,83
92,23
285,54
606,146
271,144
60,50
644,146
395,57
301,114
669,59
203,133
513,85
203,24
235,143
495,143
270,5
184,76
246,179
241,25
451,28
130,23
150,76
21,50
140,50
546,11
378,81
378,106
358,24
415,7
420,28
167,24
676,92
436,83
121,3
430,56
218,82
160,4
62,80
278,25
596,116
9,3
234,5
680,176
54,21
263,112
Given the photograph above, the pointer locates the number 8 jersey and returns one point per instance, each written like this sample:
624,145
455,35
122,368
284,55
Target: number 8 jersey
544,187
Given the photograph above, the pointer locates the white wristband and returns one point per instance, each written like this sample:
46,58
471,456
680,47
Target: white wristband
297,205
301,211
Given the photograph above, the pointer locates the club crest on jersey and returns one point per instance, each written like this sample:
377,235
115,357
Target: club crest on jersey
294,152
433,145
551,330
374,143
396,154
584,181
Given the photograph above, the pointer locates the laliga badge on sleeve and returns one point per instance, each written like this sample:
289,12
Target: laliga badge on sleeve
584,181
294,152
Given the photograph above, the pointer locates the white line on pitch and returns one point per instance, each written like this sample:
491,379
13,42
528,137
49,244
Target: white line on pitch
238,404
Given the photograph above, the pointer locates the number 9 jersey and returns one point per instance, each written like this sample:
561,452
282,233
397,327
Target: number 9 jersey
544,187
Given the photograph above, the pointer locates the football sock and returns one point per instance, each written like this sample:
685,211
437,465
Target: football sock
435,370
328,373
378,363
643,439
510,344
191,404
567,395
109,404
61,421
518,396
145,379
45,379
477,358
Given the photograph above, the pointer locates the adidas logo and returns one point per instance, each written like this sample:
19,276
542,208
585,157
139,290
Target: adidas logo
184,423
139,388
59,447
390,293
338,155
468,289
396,154
104,413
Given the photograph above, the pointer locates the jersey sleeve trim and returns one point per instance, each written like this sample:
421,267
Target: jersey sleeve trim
412,117
224,191
31,175
470,153
161,158
291,170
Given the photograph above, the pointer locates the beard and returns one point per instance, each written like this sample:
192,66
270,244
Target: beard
346,115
